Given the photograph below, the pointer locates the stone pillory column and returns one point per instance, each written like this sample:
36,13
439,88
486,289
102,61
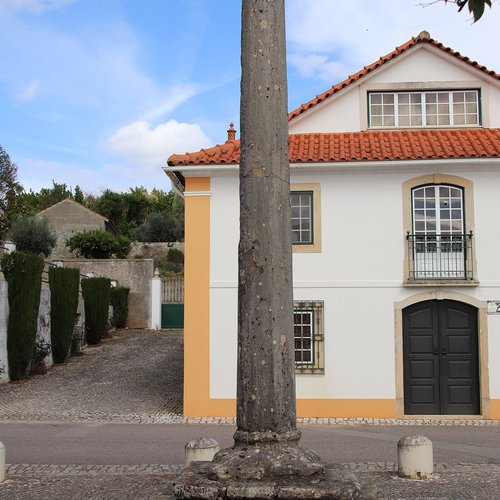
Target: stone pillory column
266,460
267,440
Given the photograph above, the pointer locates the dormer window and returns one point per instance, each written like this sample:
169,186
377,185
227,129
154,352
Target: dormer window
457,108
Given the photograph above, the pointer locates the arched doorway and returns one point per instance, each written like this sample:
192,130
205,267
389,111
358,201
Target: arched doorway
440,358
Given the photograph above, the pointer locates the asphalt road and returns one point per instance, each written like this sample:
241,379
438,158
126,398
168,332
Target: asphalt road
130,444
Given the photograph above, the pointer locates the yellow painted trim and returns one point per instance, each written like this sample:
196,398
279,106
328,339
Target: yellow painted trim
346,408
320,408
197,296
197,184
495,409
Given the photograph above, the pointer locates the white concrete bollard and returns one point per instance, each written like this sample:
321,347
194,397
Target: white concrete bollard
2,462
415,457
201,450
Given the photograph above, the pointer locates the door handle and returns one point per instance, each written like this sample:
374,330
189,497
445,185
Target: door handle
444,353
436,351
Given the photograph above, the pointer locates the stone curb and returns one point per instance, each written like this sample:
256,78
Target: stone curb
172,418
92,470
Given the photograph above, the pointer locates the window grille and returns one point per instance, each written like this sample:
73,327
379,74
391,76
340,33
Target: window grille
309,337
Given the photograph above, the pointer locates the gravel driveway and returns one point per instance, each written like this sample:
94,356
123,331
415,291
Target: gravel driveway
134,376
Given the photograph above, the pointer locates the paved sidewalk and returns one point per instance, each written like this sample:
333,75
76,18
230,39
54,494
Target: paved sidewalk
134,376
378,480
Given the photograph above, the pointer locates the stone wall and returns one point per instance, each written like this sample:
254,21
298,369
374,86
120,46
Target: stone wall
153,250
133,273
43,330
67,218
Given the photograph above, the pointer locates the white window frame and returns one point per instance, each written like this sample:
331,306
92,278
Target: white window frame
302,220
392,100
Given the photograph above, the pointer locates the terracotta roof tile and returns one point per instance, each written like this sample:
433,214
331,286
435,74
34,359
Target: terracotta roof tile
372,145
423,37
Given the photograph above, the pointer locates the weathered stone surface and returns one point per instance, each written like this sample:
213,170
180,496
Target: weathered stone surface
198,482
261,460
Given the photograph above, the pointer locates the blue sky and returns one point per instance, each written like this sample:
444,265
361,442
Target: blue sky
100,92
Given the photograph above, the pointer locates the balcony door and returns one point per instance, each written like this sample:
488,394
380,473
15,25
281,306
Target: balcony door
439,240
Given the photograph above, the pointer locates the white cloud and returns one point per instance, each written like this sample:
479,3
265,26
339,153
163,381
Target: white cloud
318,66
358,32
29,91
176,96
141,144
35,173
34,6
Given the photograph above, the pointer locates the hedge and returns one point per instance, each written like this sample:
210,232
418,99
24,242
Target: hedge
119,301
96,299
64,287
23,273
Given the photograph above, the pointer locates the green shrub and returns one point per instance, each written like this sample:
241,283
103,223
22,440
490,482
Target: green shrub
33,235
96,299
99,244
172,263
161,226
175,256
119,301
23,273
64,287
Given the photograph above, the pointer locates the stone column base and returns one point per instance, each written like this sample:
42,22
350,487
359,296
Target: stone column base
201,481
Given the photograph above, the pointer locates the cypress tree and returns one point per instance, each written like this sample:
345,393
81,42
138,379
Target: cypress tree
64,288
23,273
119,301
96,298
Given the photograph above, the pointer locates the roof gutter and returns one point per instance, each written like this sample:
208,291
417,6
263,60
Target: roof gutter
203,170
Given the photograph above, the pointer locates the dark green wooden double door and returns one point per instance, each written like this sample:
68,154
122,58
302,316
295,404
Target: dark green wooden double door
441,366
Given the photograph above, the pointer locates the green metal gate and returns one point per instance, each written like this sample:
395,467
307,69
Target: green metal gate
172,307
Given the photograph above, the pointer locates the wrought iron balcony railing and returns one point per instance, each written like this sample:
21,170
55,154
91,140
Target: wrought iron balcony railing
440,257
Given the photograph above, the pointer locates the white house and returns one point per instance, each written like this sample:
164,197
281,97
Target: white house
395,194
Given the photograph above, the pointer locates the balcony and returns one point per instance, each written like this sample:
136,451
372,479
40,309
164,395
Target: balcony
446,258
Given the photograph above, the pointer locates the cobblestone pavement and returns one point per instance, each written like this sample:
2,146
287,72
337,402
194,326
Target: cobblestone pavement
134,376
378,480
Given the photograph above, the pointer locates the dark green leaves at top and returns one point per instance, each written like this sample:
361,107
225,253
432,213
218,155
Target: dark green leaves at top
475,7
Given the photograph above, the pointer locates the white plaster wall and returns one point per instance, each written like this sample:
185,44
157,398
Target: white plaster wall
494,348
422,65
494,102
340,113
358,275
487,238
4,316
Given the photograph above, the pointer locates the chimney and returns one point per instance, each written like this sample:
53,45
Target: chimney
231,133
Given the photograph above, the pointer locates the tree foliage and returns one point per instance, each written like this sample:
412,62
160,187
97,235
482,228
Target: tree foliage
10,189
64,288
96,299
162,226
23,273
33,235
99,244
119,301
475,7
131,209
